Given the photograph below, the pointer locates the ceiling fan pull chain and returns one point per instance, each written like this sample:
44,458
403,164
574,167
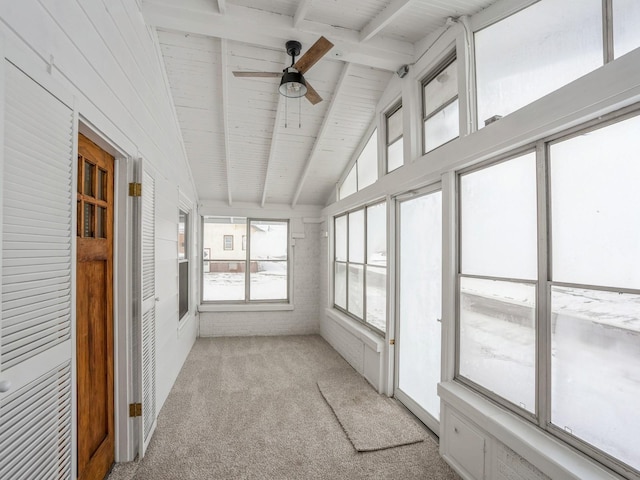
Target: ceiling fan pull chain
300,113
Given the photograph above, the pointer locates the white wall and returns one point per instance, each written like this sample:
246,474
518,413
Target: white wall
101,53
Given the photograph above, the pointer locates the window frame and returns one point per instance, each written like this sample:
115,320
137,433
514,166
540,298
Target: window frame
247,262
183,209
224,243
353,162
364,265
395,108
440,67
544,284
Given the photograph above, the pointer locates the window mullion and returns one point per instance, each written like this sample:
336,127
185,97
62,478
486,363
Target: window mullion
607,31
247,265
543,304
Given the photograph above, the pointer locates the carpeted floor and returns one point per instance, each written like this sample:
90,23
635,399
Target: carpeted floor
249,408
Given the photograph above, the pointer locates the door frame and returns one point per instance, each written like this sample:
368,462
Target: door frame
125,446
432,423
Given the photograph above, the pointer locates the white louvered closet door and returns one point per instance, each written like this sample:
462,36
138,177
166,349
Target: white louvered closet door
35,321
148,323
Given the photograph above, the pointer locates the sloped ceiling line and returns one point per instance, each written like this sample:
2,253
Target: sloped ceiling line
224,50
325,122
272,148
222,6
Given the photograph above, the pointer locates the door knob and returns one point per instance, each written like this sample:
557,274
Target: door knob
5,386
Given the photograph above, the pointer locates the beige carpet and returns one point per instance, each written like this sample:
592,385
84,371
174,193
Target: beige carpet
249,408
371,421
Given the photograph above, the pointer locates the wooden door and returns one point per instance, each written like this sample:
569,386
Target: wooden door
94,299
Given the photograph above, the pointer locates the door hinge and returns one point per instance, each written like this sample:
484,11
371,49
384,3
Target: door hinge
135,189
135,409
392,341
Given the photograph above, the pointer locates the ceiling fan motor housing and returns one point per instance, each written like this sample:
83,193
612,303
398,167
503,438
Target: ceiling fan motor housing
293,48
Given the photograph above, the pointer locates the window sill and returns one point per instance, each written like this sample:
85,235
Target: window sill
550,455
244,307
373,340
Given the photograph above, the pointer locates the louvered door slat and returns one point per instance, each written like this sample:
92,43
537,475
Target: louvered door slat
148,320
35,321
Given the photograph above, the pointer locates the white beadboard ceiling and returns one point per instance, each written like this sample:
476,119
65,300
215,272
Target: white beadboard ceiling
246,143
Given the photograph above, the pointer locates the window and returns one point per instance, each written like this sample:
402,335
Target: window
595,288
360,273
587,329
183,264
547,48
497,287
440,115
395,156
258,273
228,242
364,171
626,17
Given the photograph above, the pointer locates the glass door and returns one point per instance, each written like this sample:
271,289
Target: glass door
419,306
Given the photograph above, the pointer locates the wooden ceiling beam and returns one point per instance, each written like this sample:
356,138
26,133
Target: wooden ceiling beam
272,148
225,114
269,30
384,18
222,6
301,12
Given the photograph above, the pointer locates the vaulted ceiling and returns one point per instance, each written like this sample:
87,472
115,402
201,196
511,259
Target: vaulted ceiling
245,142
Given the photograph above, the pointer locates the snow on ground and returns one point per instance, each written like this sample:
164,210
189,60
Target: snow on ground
269,284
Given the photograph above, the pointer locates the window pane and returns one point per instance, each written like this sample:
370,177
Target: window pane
88,220
377,297
395,155
340,285
356,236
356,290
498,220
223,270
101,222
182,235
183,289
341,238
441,89
498,339
368,162
442,127
269,240
377,234
535,52
420,300
224,280
268,280
594,192
350,184
626,18
89,170
596,353
102,184
394,126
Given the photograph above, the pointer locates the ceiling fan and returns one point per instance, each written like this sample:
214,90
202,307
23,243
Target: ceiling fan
292,82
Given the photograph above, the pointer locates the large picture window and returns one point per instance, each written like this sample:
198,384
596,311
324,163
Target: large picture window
256,267
576,313
360,266
497,301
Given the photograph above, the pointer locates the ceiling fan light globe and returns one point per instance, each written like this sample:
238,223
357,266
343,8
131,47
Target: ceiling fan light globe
292,84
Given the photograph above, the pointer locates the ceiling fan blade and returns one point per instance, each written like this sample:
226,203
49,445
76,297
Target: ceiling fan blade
312,95
315,53
258,74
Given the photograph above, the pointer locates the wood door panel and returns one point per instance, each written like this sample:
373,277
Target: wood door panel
94,307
